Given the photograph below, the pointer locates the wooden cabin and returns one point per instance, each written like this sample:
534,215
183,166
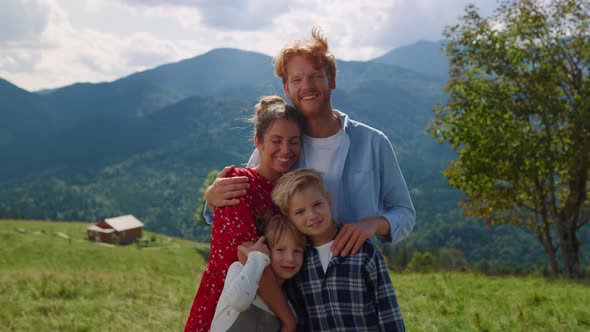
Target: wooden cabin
118,230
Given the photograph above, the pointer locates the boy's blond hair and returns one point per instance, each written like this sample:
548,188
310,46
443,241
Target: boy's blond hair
295,181
316,50
277,227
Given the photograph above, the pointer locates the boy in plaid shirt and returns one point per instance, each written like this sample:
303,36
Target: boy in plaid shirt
333,293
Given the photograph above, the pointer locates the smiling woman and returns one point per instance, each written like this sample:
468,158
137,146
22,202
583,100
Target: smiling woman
279,144
277,130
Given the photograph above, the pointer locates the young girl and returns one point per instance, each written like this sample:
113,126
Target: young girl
239,309
277,135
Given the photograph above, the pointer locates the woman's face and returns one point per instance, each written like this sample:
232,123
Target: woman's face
279,148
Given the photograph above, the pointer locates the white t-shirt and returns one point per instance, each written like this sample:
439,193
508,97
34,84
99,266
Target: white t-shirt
321,154
325,253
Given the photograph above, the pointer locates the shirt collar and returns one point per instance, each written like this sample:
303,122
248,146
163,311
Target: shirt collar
344,119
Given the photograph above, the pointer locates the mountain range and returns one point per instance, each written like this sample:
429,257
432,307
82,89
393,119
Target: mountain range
143,144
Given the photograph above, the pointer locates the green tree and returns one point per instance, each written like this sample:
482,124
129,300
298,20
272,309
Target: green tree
202,201
423,262
397,256
518,116
452,259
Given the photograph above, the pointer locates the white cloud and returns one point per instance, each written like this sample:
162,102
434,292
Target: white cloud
224,14
22,20
350,26
51,43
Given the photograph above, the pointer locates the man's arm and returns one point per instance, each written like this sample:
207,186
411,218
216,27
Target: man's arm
398,207
398,218
351,237
224,192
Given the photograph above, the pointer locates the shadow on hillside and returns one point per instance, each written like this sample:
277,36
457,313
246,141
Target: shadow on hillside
203,252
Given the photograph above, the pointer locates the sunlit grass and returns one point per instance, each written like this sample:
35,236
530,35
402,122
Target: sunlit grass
52,282
471,302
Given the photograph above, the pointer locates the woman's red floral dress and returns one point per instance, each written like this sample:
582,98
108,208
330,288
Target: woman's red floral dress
232,225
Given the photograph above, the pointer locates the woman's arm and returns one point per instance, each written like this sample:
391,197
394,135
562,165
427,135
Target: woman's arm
239,290
272,295
241,283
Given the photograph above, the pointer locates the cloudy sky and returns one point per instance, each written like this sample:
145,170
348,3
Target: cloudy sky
52,43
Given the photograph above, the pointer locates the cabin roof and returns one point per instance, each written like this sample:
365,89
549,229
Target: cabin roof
95,228
124,223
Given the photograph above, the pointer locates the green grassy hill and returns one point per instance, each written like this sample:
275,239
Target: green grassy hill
52,283
53,279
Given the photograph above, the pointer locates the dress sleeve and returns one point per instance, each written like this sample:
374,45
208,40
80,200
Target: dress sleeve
232,226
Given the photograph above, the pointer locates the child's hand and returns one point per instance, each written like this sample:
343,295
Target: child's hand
258,246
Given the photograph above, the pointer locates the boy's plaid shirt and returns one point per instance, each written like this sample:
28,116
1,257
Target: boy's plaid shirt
355,293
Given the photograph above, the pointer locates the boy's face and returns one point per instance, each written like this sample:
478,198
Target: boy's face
286,258
312,214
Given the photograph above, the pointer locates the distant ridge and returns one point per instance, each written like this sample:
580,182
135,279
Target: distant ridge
422,57
211,72
143,144
6,86
23,118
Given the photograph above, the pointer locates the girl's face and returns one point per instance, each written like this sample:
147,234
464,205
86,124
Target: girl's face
279,148
286,258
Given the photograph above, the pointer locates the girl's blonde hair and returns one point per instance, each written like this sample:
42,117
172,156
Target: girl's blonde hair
277,227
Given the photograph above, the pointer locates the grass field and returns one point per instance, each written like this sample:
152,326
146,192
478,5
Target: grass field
53,279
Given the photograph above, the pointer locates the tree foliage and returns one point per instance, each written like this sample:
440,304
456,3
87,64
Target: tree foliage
423,262
518,116
199,219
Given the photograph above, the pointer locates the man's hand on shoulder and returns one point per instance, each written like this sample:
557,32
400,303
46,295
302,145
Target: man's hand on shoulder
352,236
225,191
